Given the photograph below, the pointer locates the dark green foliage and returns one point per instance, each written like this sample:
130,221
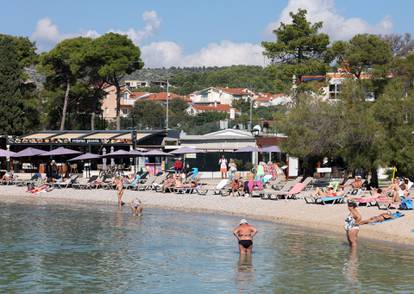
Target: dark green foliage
300,48
18,102
114,56
363,53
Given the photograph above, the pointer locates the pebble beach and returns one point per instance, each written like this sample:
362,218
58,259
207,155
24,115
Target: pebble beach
328,218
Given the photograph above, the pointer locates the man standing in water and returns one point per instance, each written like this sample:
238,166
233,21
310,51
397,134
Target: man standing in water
244,234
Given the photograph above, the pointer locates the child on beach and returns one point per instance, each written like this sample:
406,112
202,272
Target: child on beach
137,207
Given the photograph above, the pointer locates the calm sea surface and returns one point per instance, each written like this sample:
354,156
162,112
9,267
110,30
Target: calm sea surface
81,249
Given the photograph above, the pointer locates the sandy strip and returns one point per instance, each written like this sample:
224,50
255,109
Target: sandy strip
295,212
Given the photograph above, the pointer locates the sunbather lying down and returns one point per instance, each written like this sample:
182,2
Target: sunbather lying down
378,218
329,192
41,188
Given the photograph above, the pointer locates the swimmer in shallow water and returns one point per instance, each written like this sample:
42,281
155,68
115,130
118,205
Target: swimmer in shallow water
244,233
137,207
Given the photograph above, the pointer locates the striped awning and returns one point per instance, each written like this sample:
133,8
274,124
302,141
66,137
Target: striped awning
39,136
70,136
102,136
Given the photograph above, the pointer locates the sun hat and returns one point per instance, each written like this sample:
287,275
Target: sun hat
243,221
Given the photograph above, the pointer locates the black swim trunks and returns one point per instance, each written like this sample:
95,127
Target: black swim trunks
246,243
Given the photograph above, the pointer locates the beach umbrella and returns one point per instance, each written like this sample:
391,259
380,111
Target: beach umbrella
247,149
185,150
6,153
273,149
29,152
119,153
156,152
61,151
86,156
135,153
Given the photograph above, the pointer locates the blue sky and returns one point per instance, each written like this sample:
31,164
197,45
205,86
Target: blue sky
190,32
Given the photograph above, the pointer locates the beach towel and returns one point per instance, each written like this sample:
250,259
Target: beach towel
395,215
406,204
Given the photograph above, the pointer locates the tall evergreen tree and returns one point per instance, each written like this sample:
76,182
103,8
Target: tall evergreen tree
17,106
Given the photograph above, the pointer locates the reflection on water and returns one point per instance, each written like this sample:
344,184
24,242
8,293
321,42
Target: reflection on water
99,249
244,273
350,270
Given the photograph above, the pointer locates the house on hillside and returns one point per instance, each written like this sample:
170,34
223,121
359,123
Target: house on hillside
129,98
161,97
218,95
195,109
269,99
134,84
331,84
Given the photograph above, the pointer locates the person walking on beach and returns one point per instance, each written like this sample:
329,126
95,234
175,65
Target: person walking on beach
137,207
119,183
244,233
352,223
223,167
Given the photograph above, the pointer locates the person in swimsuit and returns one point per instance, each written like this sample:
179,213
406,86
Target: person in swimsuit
119,182
352,223
137,207
244,233
378,218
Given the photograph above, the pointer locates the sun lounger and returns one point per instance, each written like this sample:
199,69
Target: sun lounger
133,184
158,181
272,194
85,183
221,187
295,190
329,200
147,184
65,184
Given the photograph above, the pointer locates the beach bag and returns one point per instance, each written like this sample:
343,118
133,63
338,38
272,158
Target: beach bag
406,204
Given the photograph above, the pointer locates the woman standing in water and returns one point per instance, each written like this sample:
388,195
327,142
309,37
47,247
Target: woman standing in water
352,223
119,182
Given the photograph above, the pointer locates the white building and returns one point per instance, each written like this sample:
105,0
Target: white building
269,99
216,95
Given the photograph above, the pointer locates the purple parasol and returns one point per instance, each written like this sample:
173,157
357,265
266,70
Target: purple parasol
273,149
60,152
185,150
86,156
120,153
156,152
248,149
6,153
29,152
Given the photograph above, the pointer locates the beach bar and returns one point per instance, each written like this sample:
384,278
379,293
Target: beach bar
97,142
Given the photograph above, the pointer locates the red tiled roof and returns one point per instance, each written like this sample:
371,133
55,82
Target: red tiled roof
162,96
266,97
218,107
234,91
138,94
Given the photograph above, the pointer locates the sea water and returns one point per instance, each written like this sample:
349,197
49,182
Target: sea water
100,249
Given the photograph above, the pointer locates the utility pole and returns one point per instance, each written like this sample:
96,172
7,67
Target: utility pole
251,114
166,108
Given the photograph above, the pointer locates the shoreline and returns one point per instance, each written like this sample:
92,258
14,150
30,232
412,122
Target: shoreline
328,218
